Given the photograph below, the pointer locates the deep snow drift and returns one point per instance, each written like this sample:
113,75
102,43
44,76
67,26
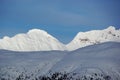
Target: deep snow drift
100,59
40,40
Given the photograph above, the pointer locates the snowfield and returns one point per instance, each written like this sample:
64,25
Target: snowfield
99,61
36,55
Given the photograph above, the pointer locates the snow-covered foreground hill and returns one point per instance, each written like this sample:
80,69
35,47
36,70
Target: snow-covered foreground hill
91,62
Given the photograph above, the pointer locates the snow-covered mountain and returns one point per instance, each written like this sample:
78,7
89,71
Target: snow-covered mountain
40,40
33,40
95,61
83,39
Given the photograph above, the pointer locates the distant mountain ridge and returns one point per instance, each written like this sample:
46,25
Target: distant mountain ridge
40,40
33,40
92,37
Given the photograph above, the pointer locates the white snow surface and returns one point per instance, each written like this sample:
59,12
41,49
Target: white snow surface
40,40
33,40
92,37
102,59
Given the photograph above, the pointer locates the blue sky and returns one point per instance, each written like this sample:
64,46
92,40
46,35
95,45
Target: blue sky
61,18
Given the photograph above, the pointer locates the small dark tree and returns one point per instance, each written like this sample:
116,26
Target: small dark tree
107,78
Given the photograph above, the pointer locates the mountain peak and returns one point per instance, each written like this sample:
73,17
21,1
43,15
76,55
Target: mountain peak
40,40
92,37
111,28
33,40
5,37
37,31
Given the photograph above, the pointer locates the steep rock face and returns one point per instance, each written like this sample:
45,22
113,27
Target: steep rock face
83,39
34,40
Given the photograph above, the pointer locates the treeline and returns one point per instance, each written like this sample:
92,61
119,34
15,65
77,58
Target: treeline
62,76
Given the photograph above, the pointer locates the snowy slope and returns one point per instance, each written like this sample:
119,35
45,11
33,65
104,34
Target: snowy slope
34,40
13,64
102,59
83,39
